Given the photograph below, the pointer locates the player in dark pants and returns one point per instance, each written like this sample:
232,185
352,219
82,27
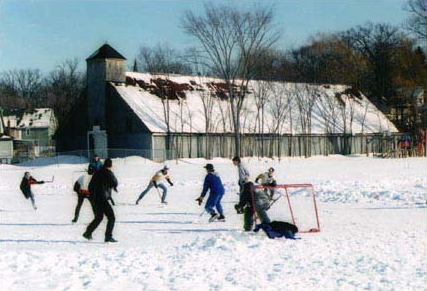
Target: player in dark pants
81,187
100,187
249,199
25,186
97,165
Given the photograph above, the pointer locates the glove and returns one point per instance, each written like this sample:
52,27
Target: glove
115,189
238,209
41,182
155,184
256,180
200,200
170,183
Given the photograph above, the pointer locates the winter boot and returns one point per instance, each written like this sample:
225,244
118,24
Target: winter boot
110,240
87,236
214,216
74,220
221,217
164,202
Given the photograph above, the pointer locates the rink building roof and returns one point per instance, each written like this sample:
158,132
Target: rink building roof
128,108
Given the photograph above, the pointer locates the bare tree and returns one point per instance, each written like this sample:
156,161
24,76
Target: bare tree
26,84
163,59
279,104
261,92
160,61
190,115
417,21
361,119
327,107
305,97
230,40
206,93
64,86
377,43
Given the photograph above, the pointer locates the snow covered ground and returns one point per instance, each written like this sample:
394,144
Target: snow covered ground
372,213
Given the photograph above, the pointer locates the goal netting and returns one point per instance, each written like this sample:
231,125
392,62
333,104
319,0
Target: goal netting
294,203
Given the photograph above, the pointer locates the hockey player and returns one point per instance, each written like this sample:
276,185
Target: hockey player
81,187
25,186
214,184
100,187
242,171
154,182
250,198
267,179
96,163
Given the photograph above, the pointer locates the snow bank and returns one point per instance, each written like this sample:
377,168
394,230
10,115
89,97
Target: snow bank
365,243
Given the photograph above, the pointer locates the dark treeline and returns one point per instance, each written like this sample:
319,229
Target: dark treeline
29,88
385,62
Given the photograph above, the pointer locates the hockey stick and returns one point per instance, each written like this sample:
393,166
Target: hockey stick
160,196
198,217
275,200
53,178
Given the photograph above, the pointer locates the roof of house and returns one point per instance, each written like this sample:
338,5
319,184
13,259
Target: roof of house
4,137
106,52
187,115
36,118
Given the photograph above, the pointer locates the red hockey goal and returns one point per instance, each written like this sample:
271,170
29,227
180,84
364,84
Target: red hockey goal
288,188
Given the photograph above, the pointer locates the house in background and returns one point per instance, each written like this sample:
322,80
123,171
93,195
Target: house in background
6,144
126,110
35,126
31,130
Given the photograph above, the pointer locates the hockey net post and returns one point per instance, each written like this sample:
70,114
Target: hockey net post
293,186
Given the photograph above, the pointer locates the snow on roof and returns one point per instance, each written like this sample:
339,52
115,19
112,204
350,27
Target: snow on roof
37,118
187,113
5,137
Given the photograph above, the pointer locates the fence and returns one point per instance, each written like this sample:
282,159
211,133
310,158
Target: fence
223,146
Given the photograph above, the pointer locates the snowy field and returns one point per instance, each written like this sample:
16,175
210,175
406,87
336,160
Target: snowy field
372,214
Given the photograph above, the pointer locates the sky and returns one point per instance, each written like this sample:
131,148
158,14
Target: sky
42,34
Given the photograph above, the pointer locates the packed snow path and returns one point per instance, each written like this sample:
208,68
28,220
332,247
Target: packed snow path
372,212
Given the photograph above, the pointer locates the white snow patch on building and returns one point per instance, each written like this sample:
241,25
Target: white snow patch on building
188,116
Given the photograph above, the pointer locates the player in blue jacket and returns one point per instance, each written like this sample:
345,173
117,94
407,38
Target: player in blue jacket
214,184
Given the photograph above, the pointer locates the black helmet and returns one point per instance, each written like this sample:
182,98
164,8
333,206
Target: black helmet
209,167
248,186
108,163
91,169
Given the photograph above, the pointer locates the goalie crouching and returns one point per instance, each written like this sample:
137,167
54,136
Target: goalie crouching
267,179
249,199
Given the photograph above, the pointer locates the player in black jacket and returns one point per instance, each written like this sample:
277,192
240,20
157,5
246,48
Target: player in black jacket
100,187
25,186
